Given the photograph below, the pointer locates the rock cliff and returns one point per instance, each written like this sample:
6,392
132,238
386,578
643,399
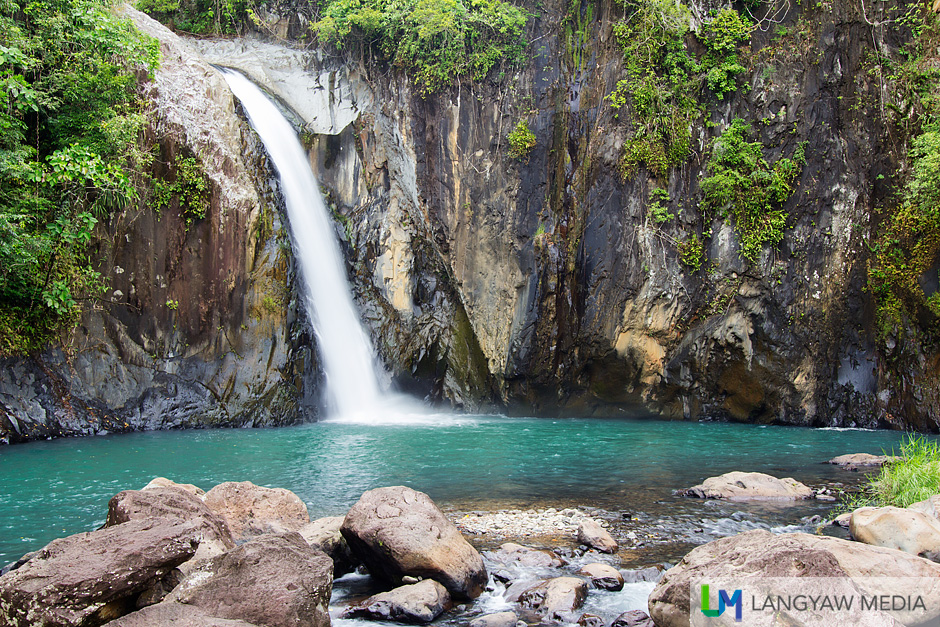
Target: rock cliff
537,285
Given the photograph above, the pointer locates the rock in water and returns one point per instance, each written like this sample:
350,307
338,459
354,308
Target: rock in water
163,482
276,580
603,576
897,528
757,554
421,602
555,599
862,461
511,553
591,620
749,486
398,531
252,510
499,619
633,618
89,578
592,534
324,534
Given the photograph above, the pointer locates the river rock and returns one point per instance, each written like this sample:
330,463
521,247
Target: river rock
897,528
633,618
555,599
91,577
930,506
862,461
749,486
650,573
398,531
421,602
324,534
511,553
603,576
499,619
591,620
163,482
175,614
756,554
252,510
276,580
592,534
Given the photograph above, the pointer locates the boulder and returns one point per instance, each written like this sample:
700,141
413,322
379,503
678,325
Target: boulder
633,618
175,614
591,620
862,461
650,573
276,580
177,505
400,532
511,553
930,506
842,520
421,602
324,534
761,554
89,578
251,510
897,528
749,486
163,482
592,534
603,576
555,599
499,619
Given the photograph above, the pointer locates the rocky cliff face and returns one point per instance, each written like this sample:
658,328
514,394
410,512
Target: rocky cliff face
199,325
538,285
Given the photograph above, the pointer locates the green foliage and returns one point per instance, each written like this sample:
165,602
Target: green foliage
190,187
913,478
521,141
742,184
692,252
435,41
656,211
68,153
204,17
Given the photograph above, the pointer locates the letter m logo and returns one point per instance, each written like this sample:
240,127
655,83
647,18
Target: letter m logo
724,601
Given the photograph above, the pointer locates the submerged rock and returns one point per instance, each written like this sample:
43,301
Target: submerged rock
760,554
862,461
555,599
897,528
592,534
398,531
603,576
421,602
276,580
89,578
511,553
324,534
251,510
749,486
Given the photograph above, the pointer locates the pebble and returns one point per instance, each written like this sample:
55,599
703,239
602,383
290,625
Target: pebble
523,523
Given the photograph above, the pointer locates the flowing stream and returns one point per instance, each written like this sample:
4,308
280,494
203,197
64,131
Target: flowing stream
352,374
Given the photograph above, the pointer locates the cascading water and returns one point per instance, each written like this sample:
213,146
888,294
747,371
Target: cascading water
352,374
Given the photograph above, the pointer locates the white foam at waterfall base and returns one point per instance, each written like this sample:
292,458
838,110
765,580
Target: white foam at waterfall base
353,377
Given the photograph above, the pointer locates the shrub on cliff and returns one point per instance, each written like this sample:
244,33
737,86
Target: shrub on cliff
68,151
435,41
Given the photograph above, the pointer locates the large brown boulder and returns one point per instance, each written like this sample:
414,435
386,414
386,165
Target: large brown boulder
760,554
276,580
749,486
930,506
897,528
175,614
251,510
400,532
603,576
556,599
421,602
324,534
89,578
592,534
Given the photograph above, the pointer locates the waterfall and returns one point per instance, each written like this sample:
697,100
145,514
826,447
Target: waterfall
352,373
